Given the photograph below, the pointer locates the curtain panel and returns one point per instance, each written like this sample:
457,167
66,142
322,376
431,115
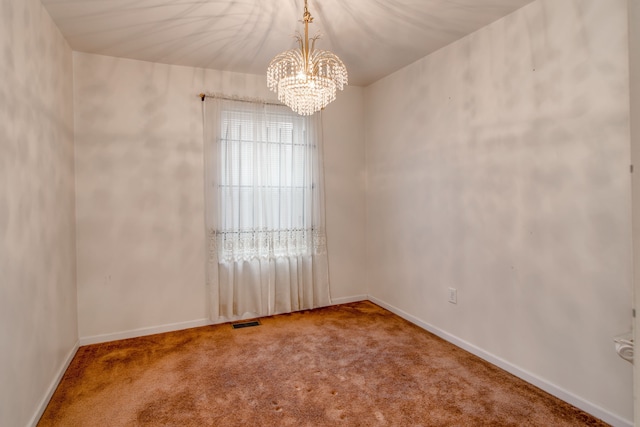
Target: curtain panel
264,210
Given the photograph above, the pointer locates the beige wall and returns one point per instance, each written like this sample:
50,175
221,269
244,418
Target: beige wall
38,329
343,124
499,166
634,56
139,173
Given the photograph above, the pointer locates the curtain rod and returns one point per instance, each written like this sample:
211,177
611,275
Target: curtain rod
202,96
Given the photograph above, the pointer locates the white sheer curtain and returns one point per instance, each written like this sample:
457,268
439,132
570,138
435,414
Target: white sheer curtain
264,210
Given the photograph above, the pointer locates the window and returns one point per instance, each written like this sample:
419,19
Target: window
265,184
266,243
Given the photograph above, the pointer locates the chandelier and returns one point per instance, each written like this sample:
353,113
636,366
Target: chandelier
306,79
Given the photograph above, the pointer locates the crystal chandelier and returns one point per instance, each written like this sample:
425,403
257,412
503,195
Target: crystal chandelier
306,79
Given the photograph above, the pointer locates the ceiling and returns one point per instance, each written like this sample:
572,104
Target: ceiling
372,37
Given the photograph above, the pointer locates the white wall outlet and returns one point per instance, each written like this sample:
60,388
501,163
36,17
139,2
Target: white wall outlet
453,295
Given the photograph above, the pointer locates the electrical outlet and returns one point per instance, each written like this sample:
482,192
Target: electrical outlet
453,295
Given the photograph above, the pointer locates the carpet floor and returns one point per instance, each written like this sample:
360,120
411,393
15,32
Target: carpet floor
352,365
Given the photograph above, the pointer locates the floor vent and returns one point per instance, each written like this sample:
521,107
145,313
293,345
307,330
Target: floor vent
245,324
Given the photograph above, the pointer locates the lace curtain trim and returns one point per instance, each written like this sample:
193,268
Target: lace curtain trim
228,246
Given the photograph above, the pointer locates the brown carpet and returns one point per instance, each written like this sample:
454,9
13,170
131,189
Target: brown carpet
353,365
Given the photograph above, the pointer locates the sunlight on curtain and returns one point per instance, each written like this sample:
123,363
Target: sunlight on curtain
264,210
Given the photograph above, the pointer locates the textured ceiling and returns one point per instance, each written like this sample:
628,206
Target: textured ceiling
372,37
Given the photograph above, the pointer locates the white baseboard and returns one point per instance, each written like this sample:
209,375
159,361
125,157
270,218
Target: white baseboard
347,300
141,332
53,386
550,388
134,333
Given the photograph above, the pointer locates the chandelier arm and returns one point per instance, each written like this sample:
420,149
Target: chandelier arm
300,43
313,44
